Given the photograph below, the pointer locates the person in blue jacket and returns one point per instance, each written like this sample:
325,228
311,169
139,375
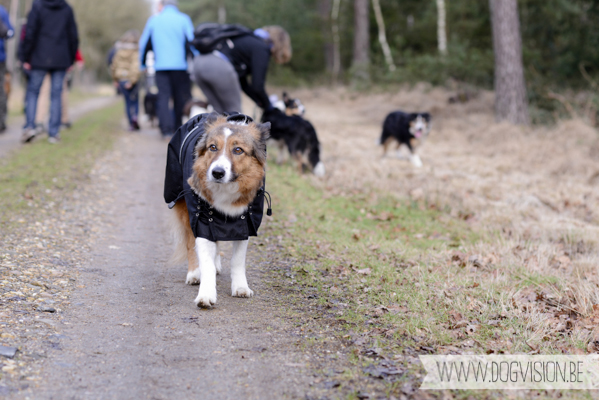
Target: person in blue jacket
3,96
169,34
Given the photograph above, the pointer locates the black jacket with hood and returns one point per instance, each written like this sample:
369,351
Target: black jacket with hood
206,222
51,38
250,55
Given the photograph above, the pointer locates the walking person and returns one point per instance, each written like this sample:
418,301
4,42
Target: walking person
168,34
223,73
6,32
50,45
125,72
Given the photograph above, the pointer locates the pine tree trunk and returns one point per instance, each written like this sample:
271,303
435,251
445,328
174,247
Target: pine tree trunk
324,11
361,58
510,89
441,31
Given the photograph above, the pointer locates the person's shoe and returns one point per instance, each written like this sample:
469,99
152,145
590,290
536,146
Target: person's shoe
53,139
134,125
67,125
28,135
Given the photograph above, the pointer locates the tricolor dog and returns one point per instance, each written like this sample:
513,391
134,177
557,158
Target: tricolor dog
410,129
215,185
298,136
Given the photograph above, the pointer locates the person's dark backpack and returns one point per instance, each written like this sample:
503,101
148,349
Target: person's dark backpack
210,36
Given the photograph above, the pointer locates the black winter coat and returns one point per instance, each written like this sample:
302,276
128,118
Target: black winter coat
206,222
51,38
250,56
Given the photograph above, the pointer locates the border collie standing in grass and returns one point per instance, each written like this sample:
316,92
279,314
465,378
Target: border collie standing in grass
409,129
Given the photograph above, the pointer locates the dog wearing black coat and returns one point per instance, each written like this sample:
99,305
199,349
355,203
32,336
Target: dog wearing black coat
299,136
409,129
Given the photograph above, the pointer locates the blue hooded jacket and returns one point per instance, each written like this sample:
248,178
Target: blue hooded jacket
11,32
168,34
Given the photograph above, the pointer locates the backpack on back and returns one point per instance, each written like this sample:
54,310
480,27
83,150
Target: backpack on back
210,35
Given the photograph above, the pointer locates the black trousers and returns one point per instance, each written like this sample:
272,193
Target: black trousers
175,85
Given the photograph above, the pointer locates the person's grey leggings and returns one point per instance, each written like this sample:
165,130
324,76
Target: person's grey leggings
219,82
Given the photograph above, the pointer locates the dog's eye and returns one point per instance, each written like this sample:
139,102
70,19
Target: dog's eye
212,148
238,150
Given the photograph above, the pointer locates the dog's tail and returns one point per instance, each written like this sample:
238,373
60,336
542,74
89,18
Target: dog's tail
314,156
179,225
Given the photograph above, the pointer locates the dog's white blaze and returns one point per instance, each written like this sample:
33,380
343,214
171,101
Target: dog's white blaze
319,169
223,162
239,284
206,251
419,125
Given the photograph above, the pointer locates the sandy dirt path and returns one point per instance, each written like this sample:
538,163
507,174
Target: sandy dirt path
133,331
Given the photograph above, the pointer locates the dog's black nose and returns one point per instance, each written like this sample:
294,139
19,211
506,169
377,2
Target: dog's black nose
218,172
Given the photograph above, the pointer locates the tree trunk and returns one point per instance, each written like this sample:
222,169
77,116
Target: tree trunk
382,36
324,11
361,58
222,13
441,31
336,41
11,45
510,89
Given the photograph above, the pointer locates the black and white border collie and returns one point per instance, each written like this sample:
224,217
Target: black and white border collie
215,183
298,136
410,129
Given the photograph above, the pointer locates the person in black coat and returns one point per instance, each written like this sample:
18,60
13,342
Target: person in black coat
223,73
49,46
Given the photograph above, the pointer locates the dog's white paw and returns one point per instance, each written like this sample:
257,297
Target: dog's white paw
193,277
242,292
416,161
206,298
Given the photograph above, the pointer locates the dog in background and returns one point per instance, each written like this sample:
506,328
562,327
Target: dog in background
290,106
195,107
409,129
215,184
151,106
298,136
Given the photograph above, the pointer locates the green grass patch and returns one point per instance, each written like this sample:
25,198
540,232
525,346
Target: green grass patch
39,173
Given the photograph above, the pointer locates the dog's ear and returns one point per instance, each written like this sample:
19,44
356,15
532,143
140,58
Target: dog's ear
285,97
264,129
426,116
260,144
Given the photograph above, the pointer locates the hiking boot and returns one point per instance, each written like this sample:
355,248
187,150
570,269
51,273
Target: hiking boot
28,135
53,139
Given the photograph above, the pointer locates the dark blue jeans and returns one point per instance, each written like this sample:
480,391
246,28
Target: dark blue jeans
131,96
175,85
36,77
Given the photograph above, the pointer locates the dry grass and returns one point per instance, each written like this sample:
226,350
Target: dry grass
533,192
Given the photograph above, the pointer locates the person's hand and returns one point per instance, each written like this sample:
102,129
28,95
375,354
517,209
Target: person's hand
115,84
27,66
128,85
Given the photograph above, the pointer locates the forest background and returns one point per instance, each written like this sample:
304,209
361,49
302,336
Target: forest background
560,41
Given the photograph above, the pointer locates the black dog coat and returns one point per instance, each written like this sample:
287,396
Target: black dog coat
206,222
